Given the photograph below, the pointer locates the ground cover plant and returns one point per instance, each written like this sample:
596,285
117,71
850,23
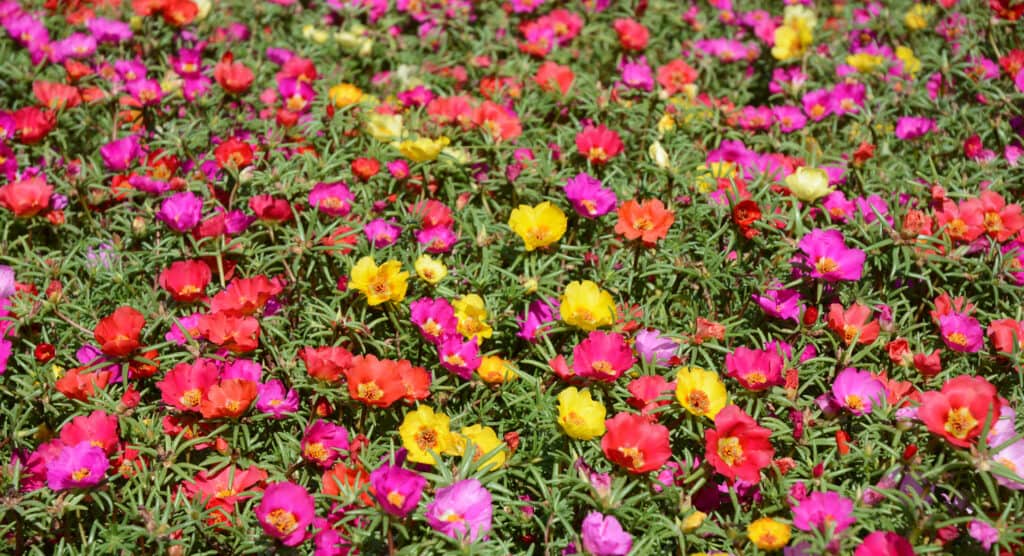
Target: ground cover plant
442,276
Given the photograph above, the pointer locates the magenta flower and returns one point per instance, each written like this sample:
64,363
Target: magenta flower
461,511
399,169
824,511
76,45
603,536
873,206
274,400
782,304
148,184
847,98
588,197
119,154
817,104
789,118
654,347
435,318
396,489
984,533
539,313
382,233
961,333
857,391
909,127
828,257
285,512
417,96
437,239
323,442
459,356
147,91
838,207
181,211
80,466
333,199
884,543
755,369
602,356
109,30
636,74
6,281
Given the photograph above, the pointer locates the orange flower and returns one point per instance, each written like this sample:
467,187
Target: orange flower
236,334
326,363
353,480
375,382
80,386
647,222
118,334
230,399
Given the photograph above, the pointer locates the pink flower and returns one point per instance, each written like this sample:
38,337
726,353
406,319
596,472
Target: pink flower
789,118
839,209
829,259
824,511
603,536
438,239
181,211
460,357
382,233
80,466
847,98
119,154
884,543
539,313
285,512
984,533
755,369
397,490
461,511
598,144
817,104
961,333
98,429
782,304
333,199
602,356
857,391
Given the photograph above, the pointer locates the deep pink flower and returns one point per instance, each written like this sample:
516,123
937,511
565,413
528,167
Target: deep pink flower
181,211
884,543
396,489
324,442
602,356
540,313
119,154
80,466
459,356
98,429
858,391
961,333
333,199
828,257
824,511
461,511
589,198
782,304
438,239
285,512
274,400
909,127
435,318
382,233
755,369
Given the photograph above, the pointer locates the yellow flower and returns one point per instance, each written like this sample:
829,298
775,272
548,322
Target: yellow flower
484,440
423,431
580,416
666,123
708,174
381,283
314,34
345,94
495,370
911,64
693,521
384,127
538,226
585,305
472,315
917,17
768,534
423,149
700,391
429,269
808,184
787,43
795,34
864,62
204,8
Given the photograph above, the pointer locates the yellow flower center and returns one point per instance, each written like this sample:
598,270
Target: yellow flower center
369,391
817,110
854,402
756,378
454,359
426,438
826,265
432,328
591,206
80,474
993,222
634,455
730,450
597,154
850,332
957,338
316,451
233,406
699,401
604,367
451,517
643,224
960,422
283,520
191,398
225,493
396,498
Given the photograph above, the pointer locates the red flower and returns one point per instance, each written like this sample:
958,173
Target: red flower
270,209
744,214
415,381
326,363
738,447
238,334
233,153
118,334
960,410
185,386
245,296
79,385
234,77
139,368
33,124
56,95
1006,335
352,479
647,222
928,365
222,490
374,381
635,443
551,76
179,13
632,34
598,144
186,280
851,324
44,352
365,168
27,197
230,399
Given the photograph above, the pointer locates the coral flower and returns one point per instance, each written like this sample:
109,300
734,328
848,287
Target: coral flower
580,416
423,432
285,512
755,369
185,386
551,76
233,154
828,257
648,222
245,296
598,144
701,392
234,77
379,284
323,443
326,363
960,410
585,305
858,391
397,490
538,226
852,324
824,511
237,334
222,490
1001,221
343,480
79,385
461,511
1007,335
602,356
961,333
769,534
635,443
186,281
229,399
632,34
27,197
118,334
374,382
738,447
80,466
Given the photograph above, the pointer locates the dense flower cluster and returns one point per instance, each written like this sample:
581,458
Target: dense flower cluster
597,276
